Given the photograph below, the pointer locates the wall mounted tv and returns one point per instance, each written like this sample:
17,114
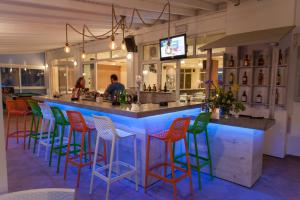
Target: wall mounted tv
178,48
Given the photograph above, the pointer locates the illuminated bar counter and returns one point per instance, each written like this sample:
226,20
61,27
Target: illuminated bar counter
236,143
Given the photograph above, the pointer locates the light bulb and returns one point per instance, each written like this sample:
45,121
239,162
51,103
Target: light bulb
25,69
10,70
46,66
123,45
145,71
112,45
182,62
83,55
75,63
129,56
67,48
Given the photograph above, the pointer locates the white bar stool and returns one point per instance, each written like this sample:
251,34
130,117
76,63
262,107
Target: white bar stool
107,131
47,117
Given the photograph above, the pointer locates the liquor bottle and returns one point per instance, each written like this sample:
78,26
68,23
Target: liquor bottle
144,87
280,58
149,88
245,79
278,79
231,62
261,61
231,78
244,97
154,87
258,98
246,60
165,87
260,77
276,96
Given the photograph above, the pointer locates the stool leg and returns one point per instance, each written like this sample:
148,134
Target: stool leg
117,156
110,167
188,164
48,139
31,130
147,163
172,169
94,164
104,152
17,129
24,135
166,159
89,148
80,158
197,162
52,144
209,154
135,164
40,136
62,131
36,131
7,130
67,153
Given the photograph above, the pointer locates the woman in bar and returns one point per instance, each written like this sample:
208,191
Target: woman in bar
79,88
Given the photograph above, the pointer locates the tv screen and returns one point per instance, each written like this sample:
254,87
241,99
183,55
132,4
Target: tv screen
177,50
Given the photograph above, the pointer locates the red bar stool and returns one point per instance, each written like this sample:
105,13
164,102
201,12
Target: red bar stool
79,125
17,108
176,133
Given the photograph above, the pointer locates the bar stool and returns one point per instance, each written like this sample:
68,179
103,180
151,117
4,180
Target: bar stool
47,117
199,127
78,125
107,132
35,122
59,131
17,108
176,133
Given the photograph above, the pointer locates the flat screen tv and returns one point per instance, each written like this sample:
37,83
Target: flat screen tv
177,50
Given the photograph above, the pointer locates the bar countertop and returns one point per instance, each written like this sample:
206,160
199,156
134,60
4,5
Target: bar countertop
133,110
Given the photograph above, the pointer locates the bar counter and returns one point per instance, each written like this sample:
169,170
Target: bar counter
236,143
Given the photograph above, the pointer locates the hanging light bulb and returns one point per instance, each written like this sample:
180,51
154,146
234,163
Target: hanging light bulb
168,47
46,66
67,48
83,55
25,69
112,43
129,56
75,63
10,70
123,45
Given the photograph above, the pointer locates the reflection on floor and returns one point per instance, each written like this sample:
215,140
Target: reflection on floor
280,180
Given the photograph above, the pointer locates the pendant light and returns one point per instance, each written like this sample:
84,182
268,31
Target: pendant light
67,48
83,51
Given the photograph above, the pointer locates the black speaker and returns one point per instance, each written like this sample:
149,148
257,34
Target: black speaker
130,44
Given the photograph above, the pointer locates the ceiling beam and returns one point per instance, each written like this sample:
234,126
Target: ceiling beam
196,4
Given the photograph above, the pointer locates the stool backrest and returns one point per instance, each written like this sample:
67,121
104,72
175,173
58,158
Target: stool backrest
59,116
201,122
16,105
46,111
77,121
178,128
105,127
35,108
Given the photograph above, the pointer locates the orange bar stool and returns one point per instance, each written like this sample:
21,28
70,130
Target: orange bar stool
18,109
176,133
79,125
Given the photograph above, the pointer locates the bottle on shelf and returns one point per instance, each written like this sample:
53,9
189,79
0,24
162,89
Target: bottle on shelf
231,79
261,61
260,77
246,60
280,58
258,98
144,87
165,87
245,79
154,88
244,97
276,97
278,79
149,88
231,62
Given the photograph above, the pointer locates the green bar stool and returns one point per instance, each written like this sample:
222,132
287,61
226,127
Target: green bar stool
35,122
199,127
59,146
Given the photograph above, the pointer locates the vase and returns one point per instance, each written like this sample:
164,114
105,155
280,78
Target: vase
215,113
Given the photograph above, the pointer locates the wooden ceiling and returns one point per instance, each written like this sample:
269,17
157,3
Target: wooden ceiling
28,26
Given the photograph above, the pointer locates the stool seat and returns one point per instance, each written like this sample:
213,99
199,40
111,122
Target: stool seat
124,134
160,135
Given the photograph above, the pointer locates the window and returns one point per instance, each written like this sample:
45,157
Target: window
151,52
10,77
150,74
185,78
32,77
168,77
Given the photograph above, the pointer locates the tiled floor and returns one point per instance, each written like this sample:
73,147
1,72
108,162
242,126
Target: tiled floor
280,180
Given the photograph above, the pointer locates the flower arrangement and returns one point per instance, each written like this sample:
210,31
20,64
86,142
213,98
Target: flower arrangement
224,100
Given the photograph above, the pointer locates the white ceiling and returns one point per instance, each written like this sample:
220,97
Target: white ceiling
38,25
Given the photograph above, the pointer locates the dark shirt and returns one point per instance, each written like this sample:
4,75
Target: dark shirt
113,87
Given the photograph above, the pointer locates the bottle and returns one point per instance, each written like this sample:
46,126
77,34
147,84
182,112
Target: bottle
144,87
280,58
230,92
260,77
154,87
276,97
149,88
278,79
165,87
231,78
261,61
231,62
244,97
245,79
258,98
246,60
